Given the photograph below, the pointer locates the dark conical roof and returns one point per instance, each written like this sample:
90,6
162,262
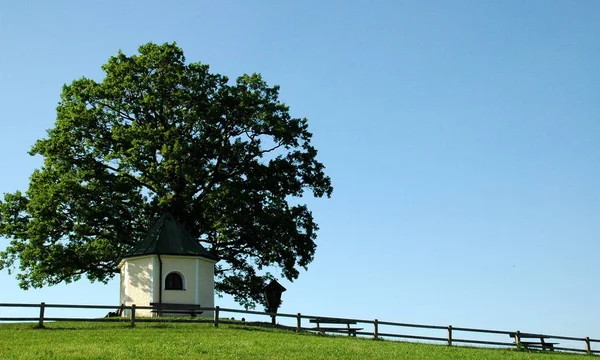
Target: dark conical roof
168,237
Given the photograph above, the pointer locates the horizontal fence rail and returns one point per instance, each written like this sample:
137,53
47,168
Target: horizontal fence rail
324,324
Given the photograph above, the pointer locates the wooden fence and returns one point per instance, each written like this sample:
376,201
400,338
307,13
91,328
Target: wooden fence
449,335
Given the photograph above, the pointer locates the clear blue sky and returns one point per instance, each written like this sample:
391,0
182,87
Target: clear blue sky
462,138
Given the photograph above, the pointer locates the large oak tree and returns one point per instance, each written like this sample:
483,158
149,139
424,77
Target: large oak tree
158,134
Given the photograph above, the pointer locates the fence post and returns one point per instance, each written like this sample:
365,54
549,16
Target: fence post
298,322
518,338
449,335
216,316
42,310
132,315
376,329
588,347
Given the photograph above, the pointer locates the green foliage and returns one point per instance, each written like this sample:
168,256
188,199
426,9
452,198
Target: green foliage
157,134
178,340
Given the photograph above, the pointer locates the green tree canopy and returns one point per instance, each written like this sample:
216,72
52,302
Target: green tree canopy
155,135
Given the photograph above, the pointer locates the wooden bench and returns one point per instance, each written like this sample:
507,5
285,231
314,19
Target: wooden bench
171,308
541,344
350,330
117,313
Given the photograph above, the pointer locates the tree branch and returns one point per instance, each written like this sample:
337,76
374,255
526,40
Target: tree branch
129,176
271,149
220,271
121,113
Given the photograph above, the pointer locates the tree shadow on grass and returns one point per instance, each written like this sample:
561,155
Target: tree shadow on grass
258,326
96,326
254,326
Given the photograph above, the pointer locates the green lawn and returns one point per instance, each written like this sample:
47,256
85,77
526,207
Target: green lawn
176,340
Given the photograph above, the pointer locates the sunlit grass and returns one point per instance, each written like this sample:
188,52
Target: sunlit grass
180,340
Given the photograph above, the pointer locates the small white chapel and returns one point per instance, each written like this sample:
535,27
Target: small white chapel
168,266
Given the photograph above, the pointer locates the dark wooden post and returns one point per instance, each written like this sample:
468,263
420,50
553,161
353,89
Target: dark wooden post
42,310
588,347
298,322
449,335
132,315
376,329
518,338
216,316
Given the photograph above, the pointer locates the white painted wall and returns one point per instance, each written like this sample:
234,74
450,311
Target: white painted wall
206,283
122,286
137,283
186,267
140,283
198,281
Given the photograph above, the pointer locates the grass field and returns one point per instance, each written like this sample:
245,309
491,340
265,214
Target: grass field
177,340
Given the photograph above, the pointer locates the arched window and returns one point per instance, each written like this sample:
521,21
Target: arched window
173,282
